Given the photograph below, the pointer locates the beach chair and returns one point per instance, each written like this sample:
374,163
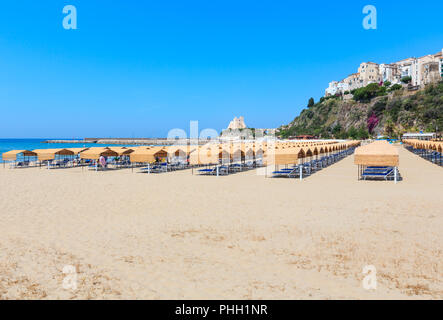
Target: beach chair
287,172
15,165
207,171
222,171
236,167
378,173
156,168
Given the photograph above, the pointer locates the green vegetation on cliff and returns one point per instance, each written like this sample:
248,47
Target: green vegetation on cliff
371,111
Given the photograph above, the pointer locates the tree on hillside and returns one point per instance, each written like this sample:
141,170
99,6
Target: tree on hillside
407,79
352,133
365,94
389,128
311,103
395,87
362,134
336,130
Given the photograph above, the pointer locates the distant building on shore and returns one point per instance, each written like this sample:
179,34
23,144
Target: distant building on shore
237,123
420,136
238,129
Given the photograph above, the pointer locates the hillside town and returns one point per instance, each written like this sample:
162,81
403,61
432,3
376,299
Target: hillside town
416,72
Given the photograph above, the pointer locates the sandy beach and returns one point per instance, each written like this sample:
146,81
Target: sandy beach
178,236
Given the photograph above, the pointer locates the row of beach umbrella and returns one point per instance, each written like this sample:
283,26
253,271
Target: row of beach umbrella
427,145
280,152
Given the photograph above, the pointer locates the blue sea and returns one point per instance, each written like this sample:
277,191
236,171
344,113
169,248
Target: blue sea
31,144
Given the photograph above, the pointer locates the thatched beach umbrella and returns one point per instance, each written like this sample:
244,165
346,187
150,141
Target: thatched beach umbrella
148,154
13,154
122,151
286,156
96,153
49,154
378,153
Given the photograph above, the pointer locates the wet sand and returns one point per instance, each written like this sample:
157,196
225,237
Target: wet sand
179,236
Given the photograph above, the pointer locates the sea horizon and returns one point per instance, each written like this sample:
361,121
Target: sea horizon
8,144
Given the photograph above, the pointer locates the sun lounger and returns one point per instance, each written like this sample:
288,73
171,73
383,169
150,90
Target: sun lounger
20,164
378,173
287,173
207,172
222,170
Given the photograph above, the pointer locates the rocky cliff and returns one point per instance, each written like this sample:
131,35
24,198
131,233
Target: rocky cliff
371,111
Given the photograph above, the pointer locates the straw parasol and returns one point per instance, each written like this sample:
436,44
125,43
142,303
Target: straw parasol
204,155
12,155
122,151
180,151
96,153
77,150
378,153
49,154
148,154
287,156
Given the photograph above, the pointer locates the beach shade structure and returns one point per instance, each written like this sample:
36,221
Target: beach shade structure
141,155
428,150
76,154
205,155
15,155
224,154
259,152
249,152
307,151
287,156
378,159
50,154
65,157
194,159
122,160
237,153
148,155
180,153
315,150
158,153
122,151
77,151
96,153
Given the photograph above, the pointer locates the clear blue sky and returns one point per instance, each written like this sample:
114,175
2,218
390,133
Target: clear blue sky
140,68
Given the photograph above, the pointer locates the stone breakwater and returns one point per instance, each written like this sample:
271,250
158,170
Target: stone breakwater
132,141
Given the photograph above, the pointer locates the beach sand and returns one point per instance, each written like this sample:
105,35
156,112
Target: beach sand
244,236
